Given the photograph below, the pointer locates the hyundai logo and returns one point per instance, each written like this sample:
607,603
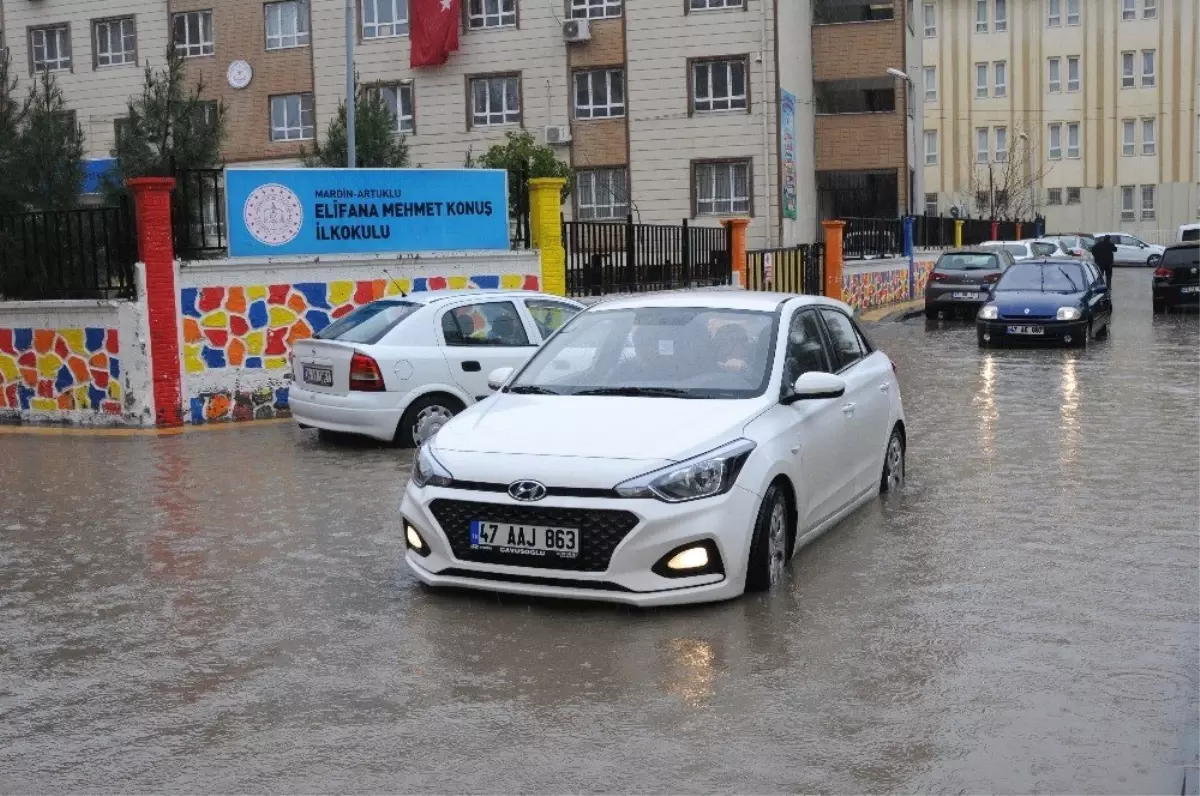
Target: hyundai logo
1026,310
526,490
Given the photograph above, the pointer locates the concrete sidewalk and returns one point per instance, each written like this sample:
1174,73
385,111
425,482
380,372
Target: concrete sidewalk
893,312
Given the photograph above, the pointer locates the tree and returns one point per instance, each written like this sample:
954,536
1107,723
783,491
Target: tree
12,121
1005,190
52,148
376,144
169,128
524,159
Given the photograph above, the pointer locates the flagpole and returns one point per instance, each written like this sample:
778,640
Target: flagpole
351,100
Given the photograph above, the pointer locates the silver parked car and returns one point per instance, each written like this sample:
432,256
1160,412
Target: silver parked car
1023,249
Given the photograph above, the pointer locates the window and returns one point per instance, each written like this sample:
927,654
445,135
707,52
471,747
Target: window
981,145
1149,139
287,24
931,204
836,11
847,345
399,99
981,81
1073,196
805,350
1150,9
981,16
493,323
50,49
1127,212
719,85
601,194
549,316
860,95
930,75
1147,202
116,42
384,19
1128,9
600,94
1054,196
1128,146
204,113
1073,73
193,34
1054,75
1053,12
721,188
596,9
981,202
931,148
1001,144
1073,140
1001,79
292,117
709,5
120,130
1148,69
929,11
1001,16
491,14
1055,140
495,100
1072,12
1127,79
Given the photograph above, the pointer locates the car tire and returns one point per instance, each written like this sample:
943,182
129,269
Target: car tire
892,478
1102,332
424,417
769,548
931,313
1160,307
1153,260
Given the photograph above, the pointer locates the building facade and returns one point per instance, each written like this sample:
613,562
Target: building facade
1082,110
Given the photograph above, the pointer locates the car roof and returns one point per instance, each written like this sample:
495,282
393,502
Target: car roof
970,250
437,296
714,299
1052,261
1187,244
993,243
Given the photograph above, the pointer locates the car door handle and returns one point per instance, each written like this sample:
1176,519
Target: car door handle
848,408
885,387
471,366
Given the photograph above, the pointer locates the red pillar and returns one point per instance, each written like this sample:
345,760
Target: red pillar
156,250
995,230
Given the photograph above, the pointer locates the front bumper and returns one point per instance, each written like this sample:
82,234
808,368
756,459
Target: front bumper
375,414
1054,332
626,577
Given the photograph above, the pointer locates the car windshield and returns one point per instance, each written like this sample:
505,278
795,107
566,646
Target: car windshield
659,352
369,323
968,262
1045,277
1189,255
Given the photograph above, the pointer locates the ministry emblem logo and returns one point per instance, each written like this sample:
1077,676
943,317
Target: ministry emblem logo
273,214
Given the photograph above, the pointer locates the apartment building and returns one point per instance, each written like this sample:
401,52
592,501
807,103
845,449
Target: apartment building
1086,108
866,55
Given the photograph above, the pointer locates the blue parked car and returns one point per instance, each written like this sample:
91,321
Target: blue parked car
1047,300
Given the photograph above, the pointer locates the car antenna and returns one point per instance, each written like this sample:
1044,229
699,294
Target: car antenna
394,282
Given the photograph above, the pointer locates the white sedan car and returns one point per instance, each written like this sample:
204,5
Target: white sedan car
399,368
1132,250
1027,249
658,450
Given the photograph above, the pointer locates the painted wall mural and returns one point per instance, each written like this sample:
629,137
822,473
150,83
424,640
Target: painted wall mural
253,327
881,288
60,370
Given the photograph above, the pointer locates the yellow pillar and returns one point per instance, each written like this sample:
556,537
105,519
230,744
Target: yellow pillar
833,258
545,231
958,225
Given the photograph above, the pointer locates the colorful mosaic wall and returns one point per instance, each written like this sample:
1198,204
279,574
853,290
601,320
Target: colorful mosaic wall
53,370
867,290
253,328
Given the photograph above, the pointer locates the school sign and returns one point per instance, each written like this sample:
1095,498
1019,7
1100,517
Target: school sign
289,212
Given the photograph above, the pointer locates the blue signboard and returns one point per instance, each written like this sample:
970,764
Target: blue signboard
277,212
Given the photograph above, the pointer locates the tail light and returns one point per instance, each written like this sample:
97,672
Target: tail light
365,375
1162,273
991,278
939,276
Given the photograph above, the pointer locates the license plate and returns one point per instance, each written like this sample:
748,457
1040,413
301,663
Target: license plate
315,374
968,296
1190,289
533,540
1027,330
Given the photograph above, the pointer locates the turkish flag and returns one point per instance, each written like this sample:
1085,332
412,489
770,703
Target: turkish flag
433,28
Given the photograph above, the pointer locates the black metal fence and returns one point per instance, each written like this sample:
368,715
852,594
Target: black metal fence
519,231
606,257
865,238
976,231
85,253
198,214
800,269
933,232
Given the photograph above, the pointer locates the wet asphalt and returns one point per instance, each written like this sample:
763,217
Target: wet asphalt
227,611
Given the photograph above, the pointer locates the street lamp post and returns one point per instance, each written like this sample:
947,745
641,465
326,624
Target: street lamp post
901,75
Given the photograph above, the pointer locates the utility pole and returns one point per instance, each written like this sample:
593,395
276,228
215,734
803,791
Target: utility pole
351,100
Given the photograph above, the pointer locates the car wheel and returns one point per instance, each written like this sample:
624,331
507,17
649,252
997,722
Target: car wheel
1153,260
424,417
769,547
1102,332
931,313
1160,307
893,463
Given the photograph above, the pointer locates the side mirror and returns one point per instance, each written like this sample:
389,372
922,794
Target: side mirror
498,377
814,385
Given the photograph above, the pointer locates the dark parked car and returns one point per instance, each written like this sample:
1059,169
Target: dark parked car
960,280
1045,301
1177,278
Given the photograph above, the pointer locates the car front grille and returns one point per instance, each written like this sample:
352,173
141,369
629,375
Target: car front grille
600,531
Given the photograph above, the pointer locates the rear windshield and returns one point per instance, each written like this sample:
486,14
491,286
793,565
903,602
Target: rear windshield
1015,249
369,323
1044,249
1173,258
968,262
1190,234
1052,277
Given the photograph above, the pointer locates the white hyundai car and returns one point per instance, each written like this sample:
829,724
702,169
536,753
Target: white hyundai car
661,449
399,368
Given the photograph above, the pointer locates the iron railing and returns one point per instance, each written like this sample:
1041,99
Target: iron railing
198,219
976,231
85,253
800,269
865,238
519,231
933,232
606,257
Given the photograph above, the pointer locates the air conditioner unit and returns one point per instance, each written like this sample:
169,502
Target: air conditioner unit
558,134
577,30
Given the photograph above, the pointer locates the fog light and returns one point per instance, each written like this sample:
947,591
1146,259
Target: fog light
1066,338
987,338
415,542
692,558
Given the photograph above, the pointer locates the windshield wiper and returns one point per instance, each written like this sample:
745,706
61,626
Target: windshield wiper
1070,281
636,392
532,389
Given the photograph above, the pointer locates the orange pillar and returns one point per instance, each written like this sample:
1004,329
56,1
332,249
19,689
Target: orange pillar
737,247
833,258
1018,230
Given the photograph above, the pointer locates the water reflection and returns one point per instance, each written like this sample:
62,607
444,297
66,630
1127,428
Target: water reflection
985,400
690,670
1069,412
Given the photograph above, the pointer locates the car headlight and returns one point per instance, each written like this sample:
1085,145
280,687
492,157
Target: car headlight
706,475
1069,314
989,312
428,471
